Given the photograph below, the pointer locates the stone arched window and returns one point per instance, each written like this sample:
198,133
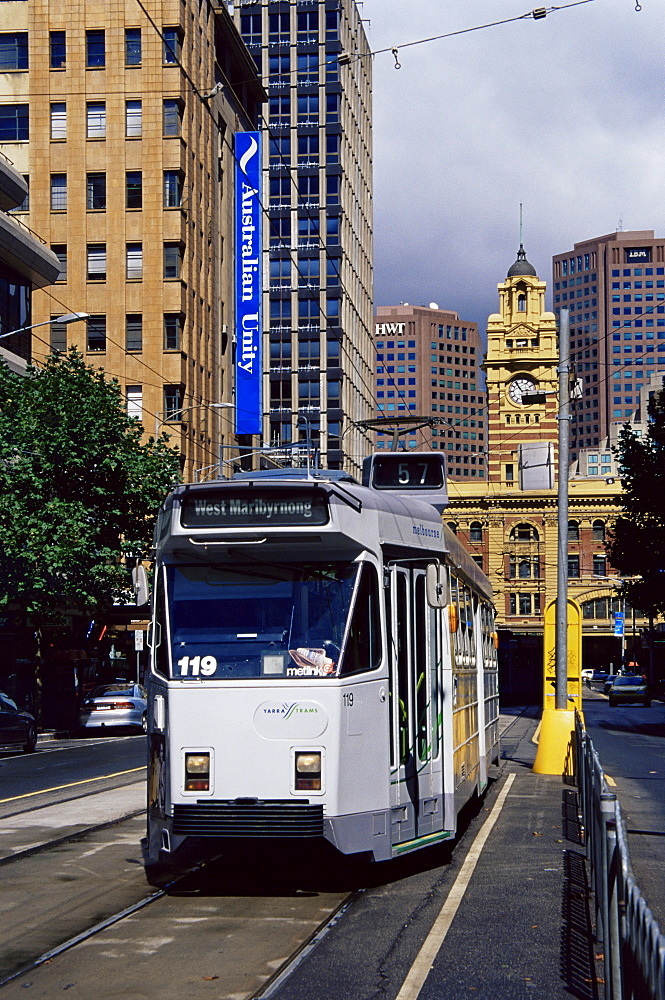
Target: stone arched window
573,531
524,533
598,531
475,531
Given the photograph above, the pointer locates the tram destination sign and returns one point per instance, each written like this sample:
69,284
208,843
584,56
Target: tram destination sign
261,509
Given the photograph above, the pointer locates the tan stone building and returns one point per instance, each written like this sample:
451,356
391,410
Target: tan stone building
513,532
121,118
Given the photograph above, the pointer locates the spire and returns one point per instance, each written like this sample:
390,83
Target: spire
521,265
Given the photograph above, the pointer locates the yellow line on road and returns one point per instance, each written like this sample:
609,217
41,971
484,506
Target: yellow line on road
610,781
420,969
72,784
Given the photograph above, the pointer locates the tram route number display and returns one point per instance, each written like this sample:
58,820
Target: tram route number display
399,471
274,509
197,666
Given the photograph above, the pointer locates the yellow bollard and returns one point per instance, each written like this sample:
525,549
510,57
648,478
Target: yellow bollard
554,752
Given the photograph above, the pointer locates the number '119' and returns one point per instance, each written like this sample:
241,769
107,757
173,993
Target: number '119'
195,666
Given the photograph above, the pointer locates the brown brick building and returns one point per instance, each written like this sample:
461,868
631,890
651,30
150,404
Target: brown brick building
428,365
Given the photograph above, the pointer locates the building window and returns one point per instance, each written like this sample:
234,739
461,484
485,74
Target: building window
280,232
134,189
58,49
96,119
172,38
134,332
133,119
60,250
134,394
599,566
172,331
173,400
573,531
96,192
132,46
58,336
308,109
250,28
173,183
14,123
476,532
96,339
58,120
280,191
23,206
453,526
172,260
598,531
524,604
134,261
95,49
524,533
58,192
172,117
308,26
13,50
573,567
524,567
96,258
332,148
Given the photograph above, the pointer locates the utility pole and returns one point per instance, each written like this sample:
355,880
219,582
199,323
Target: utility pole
561,690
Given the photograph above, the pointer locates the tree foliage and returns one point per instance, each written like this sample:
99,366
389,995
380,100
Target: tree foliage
78,488
637,547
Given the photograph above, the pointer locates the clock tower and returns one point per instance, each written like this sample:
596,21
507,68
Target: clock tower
521,370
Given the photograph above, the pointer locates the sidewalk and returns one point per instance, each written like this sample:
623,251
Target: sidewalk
29,830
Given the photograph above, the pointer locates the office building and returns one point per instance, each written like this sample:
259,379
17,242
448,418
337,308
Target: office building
614,287
428,385
317,150
122,120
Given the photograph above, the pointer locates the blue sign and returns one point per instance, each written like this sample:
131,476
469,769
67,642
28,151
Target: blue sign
618,623
248,251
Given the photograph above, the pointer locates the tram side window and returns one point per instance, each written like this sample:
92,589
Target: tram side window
363,645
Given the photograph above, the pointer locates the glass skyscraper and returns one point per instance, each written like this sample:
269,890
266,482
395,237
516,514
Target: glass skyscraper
318,356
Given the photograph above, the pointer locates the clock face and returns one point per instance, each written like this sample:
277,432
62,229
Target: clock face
519,386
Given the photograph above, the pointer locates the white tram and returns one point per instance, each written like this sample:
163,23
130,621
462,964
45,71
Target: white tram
323,666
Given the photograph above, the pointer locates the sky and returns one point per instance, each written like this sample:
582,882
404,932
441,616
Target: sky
564,114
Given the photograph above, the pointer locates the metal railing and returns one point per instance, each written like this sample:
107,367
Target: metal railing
633,945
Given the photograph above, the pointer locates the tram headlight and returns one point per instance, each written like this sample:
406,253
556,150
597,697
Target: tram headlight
308,771
197,772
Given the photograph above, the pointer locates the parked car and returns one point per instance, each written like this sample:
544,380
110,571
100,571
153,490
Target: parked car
587,673
18,729
598,678
115,705
628,690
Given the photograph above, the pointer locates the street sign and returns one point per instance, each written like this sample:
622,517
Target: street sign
618,623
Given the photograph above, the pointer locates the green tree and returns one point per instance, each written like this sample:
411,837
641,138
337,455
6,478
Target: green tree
78,488
637,546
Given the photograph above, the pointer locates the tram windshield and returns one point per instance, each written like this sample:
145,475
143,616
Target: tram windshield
272,621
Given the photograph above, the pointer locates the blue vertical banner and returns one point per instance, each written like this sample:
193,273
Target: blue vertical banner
249,282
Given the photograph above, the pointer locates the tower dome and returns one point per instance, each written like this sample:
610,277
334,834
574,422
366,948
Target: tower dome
522,265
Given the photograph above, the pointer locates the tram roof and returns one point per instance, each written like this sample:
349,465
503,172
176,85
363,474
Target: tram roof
347,491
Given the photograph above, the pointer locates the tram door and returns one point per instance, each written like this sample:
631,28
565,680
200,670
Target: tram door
413,706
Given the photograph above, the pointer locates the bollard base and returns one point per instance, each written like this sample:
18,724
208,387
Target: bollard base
555,742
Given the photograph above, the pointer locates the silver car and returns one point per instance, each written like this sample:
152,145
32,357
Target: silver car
115,705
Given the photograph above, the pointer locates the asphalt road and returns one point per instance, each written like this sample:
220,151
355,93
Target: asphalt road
630,742
61,770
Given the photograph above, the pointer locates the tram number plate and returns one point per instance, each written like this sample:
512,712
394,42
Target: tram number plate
197,666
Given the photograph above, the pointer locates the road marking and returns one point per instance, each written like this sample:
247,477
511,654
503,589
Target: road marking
72,784
420,969
610,781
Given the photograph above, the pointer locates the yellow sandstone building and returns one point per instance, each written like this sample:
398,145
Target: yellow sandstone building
509,523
